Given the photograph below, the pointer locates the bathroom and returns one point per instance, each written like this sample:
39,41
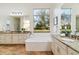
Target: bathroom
40,29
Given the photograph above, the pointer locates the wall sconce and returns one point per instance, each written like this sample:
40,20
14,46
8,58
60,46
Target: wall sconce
16,13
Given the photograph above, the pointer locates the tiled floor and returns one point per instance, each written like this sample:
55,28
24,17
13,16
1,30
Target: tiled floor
19,49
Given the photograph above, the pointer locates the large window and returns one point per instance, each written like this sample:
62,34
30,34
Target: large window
41,20
77,23
66,20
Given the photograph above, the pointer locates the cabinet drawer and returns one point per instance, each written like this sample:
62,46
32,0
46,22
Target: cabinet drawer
72,52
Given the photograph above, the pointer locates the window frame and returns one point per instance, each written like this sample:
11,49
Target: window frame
66,15
41,31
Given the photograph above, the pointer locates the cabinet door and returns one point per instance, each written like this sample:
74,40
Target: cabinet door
15,38
2,38
53,47
8,39
60,48
72,52
24,36
57,50
62,51
21,39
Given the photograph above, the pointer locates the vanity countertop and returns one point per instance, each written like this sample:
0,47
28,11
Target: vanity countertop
14,32
74,44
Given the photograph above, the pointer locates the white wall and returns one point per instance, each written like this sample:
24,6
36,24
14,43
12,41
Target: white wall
26,9
57,13
22,23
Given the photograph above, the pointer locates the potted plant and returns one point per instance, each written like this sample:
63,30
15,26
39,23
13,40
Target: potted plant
23,30
66,29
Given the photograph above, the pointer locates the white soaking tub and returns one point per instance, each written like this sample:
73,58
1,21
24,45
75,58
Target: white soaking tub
39,42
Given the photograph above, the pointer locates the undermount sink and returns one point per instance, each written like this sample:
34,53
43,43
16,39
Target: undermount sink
71,41
67,39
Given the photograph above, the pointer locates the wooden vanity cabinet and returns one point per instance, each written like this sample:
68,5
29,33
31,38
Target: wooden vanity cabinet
13,38
59,48
60,51
19,38
72,52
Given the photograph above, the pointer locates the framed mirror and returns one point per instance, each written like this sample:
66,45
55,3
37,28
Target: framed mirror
55,20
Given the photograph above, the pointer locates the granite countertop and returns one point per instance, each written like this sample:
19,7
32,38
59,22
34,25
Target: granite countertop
74,44
14,32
